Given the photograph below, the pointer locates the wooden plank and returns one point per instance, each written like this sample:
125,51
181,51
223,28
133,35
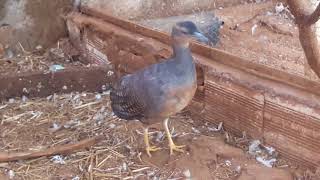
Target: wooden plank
212,54
40,84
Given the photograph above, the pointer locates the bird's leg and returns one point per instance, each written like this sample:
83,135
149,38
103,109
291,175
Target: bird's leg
146,141
172,146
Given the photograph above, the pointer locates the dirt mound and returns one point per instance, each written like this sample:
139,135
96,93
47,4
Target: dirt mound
32,23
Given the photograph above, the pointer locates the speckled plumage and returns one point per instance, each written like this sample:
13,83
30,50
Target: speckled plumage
158,91
146,94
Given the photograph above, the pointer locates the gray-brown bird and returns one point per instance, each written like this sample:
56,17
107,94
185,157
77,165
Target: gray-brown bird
158,91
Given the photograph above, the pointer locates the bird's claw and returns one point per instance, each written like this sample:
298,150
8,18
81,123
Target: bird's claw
177,148
152,149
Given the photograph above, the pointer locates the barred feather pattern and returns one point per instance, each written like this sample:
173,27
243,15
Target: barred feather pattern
125,102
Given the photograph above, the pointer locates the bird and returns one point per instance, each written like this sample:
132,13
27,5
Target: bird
208,23
156,92
212,31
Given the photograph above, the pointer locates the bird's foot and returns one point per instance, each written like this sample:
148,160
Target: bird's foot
151,149
177,148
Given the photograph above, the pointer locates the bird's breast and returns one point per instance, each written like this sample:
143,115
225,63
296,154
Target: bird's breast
178,98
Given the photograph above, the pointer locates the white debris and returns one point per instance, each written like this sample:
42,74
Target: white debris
55,127
57,159
64,87
104,87
228,163
49,97
269,13
100,115
110,73
72,123
11,100
254,147
124,166
76,97
76,178
279,8
266,162
238,169
35,114
39,47
11,174
216,129
187,174
24,99
112,126
270,150
25,90
253,29
56,67
98,96
195,130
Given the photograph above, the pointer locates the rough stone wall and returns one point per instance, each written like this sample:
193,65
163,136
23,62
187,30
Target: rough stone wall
147,9
32,22
315,4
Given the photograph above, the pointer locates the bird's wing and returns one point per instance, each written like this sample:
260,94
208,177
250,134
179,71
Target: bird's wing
139,95
125,102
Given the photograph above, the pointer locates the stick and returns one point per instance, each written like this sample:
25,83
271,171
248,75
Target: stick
63,149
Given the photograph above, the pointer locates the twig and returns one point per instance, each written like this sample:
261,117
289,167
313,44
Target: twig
141,169
274,28
4,106
85,105
66,149
22,48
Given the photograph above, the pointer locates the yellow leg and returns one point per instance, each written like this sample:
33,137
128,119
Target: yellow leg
172,146
146,141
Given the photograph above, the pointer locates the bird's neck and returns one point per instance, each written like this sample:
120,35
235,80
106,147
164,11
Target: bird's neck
181,52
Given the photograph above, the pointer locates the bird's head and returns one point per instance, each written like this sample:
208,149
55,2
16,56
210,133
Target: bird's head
185,31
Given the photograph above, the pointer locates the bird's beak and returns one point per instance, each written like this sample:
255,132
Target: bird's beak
200,37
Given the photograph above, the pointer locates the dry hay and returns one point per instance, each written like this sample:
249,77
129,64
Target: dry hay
62,119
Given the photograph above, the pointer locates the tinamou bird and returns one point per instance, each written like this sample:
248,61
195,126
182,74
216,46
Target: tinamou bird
155,93
212,30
